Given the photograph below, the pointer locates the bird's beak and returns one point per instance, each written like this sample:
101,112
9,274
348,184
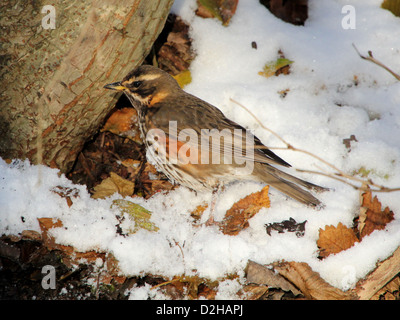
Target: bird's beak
115,86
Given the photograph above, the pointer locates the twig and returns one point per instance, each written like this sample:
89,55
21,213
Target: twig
337,175
373,60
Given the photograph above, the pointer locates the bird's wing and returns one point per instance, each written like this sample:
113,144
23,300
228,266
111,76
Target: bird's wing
197,124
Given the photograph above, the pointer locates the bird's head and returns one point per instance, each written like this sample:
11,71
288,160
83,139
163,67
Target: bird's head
146,85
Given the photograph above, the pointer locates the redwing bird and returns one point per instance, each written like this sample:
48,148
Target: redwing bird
165,111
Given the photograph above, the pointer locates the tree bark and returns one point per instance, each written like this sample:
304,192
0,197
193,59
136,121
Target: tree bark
51,80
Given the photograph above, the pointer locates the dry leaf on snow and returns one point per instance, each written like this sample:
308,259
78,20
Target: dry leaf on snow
72,257
45,225
373,218
254,291
277,67
259,274
136,213
223,10
309,282
287,225
198,212
335,239
236,218
66,193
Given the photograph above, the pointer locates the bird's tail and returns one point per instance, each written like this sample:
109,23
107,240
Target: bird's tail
288,184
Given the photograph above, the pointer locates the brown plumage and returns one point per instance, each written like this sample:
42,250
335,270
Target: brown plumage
179,128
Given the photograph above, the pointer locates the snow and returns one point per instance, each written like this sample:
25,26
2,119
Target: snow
322,107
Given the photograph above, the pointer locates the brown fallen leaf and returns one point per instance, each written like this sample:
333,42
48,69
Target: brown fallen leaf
72,258
287,226
347,142
254,291
236,218
392,5
293,11
176,54
223,10
66,193
194,287
31,235
123,122
133,166
374,218
198,212
45,225
261,275
333,240
309,282
160,185
113,184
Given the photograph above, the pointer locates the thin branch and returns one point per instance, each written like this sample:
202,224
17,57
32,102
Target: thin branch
373,60
337,175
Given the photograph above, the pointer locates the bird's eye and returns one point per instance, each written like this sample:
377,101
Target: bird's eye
136,84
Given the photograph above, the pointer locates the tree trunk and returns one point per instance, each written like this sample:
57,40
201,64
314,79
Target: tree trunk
51,80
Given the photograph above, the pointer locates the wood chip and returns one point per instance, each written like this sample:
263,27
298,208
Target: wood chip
377,279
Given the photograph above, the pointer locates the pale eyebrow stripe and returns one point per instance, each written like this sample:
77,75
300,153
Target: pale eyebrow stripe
145,77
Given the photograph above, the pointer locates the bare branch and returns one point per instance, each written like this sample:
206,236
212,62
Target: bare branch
373,60
337,174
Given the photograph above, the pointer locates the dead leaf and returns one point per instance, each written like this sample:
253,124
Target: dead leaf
31,235
45,225
133,166
183,78
287,225
254,292
309,282
347,142
123,122
227,9
176,54
198,212
66,193
236,218
277,67
194,287
160,185
71,256
293,11
392,5
113,184
223,10
283,93
259,274
136,213
375,218
333,240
